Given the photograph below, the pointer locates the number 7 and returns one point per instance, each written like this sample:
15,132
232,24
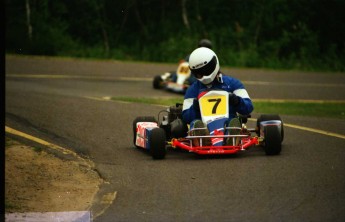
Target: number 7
217,101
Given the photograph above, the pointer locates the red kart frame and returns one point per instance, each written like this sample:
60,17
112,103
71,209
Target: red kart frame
186,144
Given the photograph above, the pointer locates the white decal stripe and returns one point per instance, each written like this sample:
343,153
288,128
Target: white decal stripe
187,103
242,93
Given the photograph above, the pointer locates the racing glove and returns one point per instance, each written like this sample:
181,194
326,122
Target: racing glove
233,99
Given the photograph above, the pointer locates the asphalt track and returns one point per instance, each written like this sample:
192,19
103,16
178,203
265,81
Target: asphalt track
64,102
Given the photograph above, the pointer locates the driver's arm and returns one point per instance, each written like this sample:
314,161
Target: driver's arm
189,110
245,105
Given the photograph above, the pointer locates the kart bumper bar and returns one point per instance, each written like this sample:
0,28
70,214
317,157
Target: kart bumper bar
186,144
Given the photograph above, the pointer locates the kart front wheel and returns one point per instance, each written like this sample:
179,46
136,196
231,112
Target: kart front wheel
157,82
268,117
272,141
157,143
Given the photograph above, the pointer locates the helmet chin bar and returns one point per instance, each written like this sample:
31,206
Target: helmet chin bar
218,76
206,80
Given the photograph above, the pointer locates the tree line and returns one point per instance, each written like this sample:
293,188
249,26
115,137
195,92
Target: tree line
284,34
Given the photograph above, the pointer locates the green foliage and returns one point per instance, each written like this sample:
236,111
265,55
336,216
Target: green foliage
284,34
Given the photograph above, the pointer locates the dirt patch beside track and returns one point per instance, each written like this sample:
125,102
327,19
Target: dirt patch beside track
36,181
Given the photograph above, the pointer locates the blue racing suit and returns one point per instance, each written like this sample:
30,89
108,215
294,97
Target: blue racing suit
227,83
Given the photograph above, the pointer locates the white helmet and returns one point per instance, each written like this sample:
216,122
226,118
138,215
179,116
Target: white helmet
204,65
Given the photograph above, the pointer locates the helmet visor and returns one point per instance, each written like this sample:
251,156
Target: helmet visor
205,70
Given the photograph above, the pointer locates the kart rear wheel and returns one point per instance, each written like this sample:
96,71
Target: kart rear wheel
157,82
272,141
267,117
157,143
141,119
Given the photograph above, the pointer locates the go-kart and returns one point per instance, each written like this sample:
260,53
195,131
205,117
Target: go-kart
170,131
176,81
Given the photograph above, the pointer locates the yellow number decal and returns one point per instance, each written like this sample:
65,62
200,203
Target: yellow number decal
183,69
213,105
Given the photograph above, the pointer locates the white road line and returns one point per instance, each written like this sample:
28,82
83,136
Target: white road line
46,76
148,79
323,132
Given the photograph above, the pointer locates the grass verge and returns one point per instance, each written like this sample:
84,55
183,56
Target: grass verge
325,109
298,108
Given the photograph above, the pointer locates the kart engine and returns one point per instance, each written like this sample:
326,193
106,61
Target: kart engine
173,123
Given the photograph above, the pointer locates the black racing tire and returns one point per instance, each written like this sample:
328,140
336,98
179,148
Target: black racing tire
141,119
157,82
157,141
272,141
267,117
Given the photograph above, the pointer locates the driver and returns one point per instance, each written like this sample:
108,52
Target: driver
202,43
204,66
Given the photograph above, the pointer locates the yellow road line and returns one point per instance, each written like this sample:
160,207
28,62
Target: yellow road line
299,101
107,199
323,132
292,84
43,142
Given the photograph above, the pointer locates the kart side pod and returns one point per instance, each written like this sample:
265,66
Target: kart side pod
143,133
149,136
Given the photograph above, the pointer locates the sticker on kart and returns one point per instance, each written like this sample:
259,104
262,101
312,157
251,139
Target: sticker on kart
183,69
214,105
